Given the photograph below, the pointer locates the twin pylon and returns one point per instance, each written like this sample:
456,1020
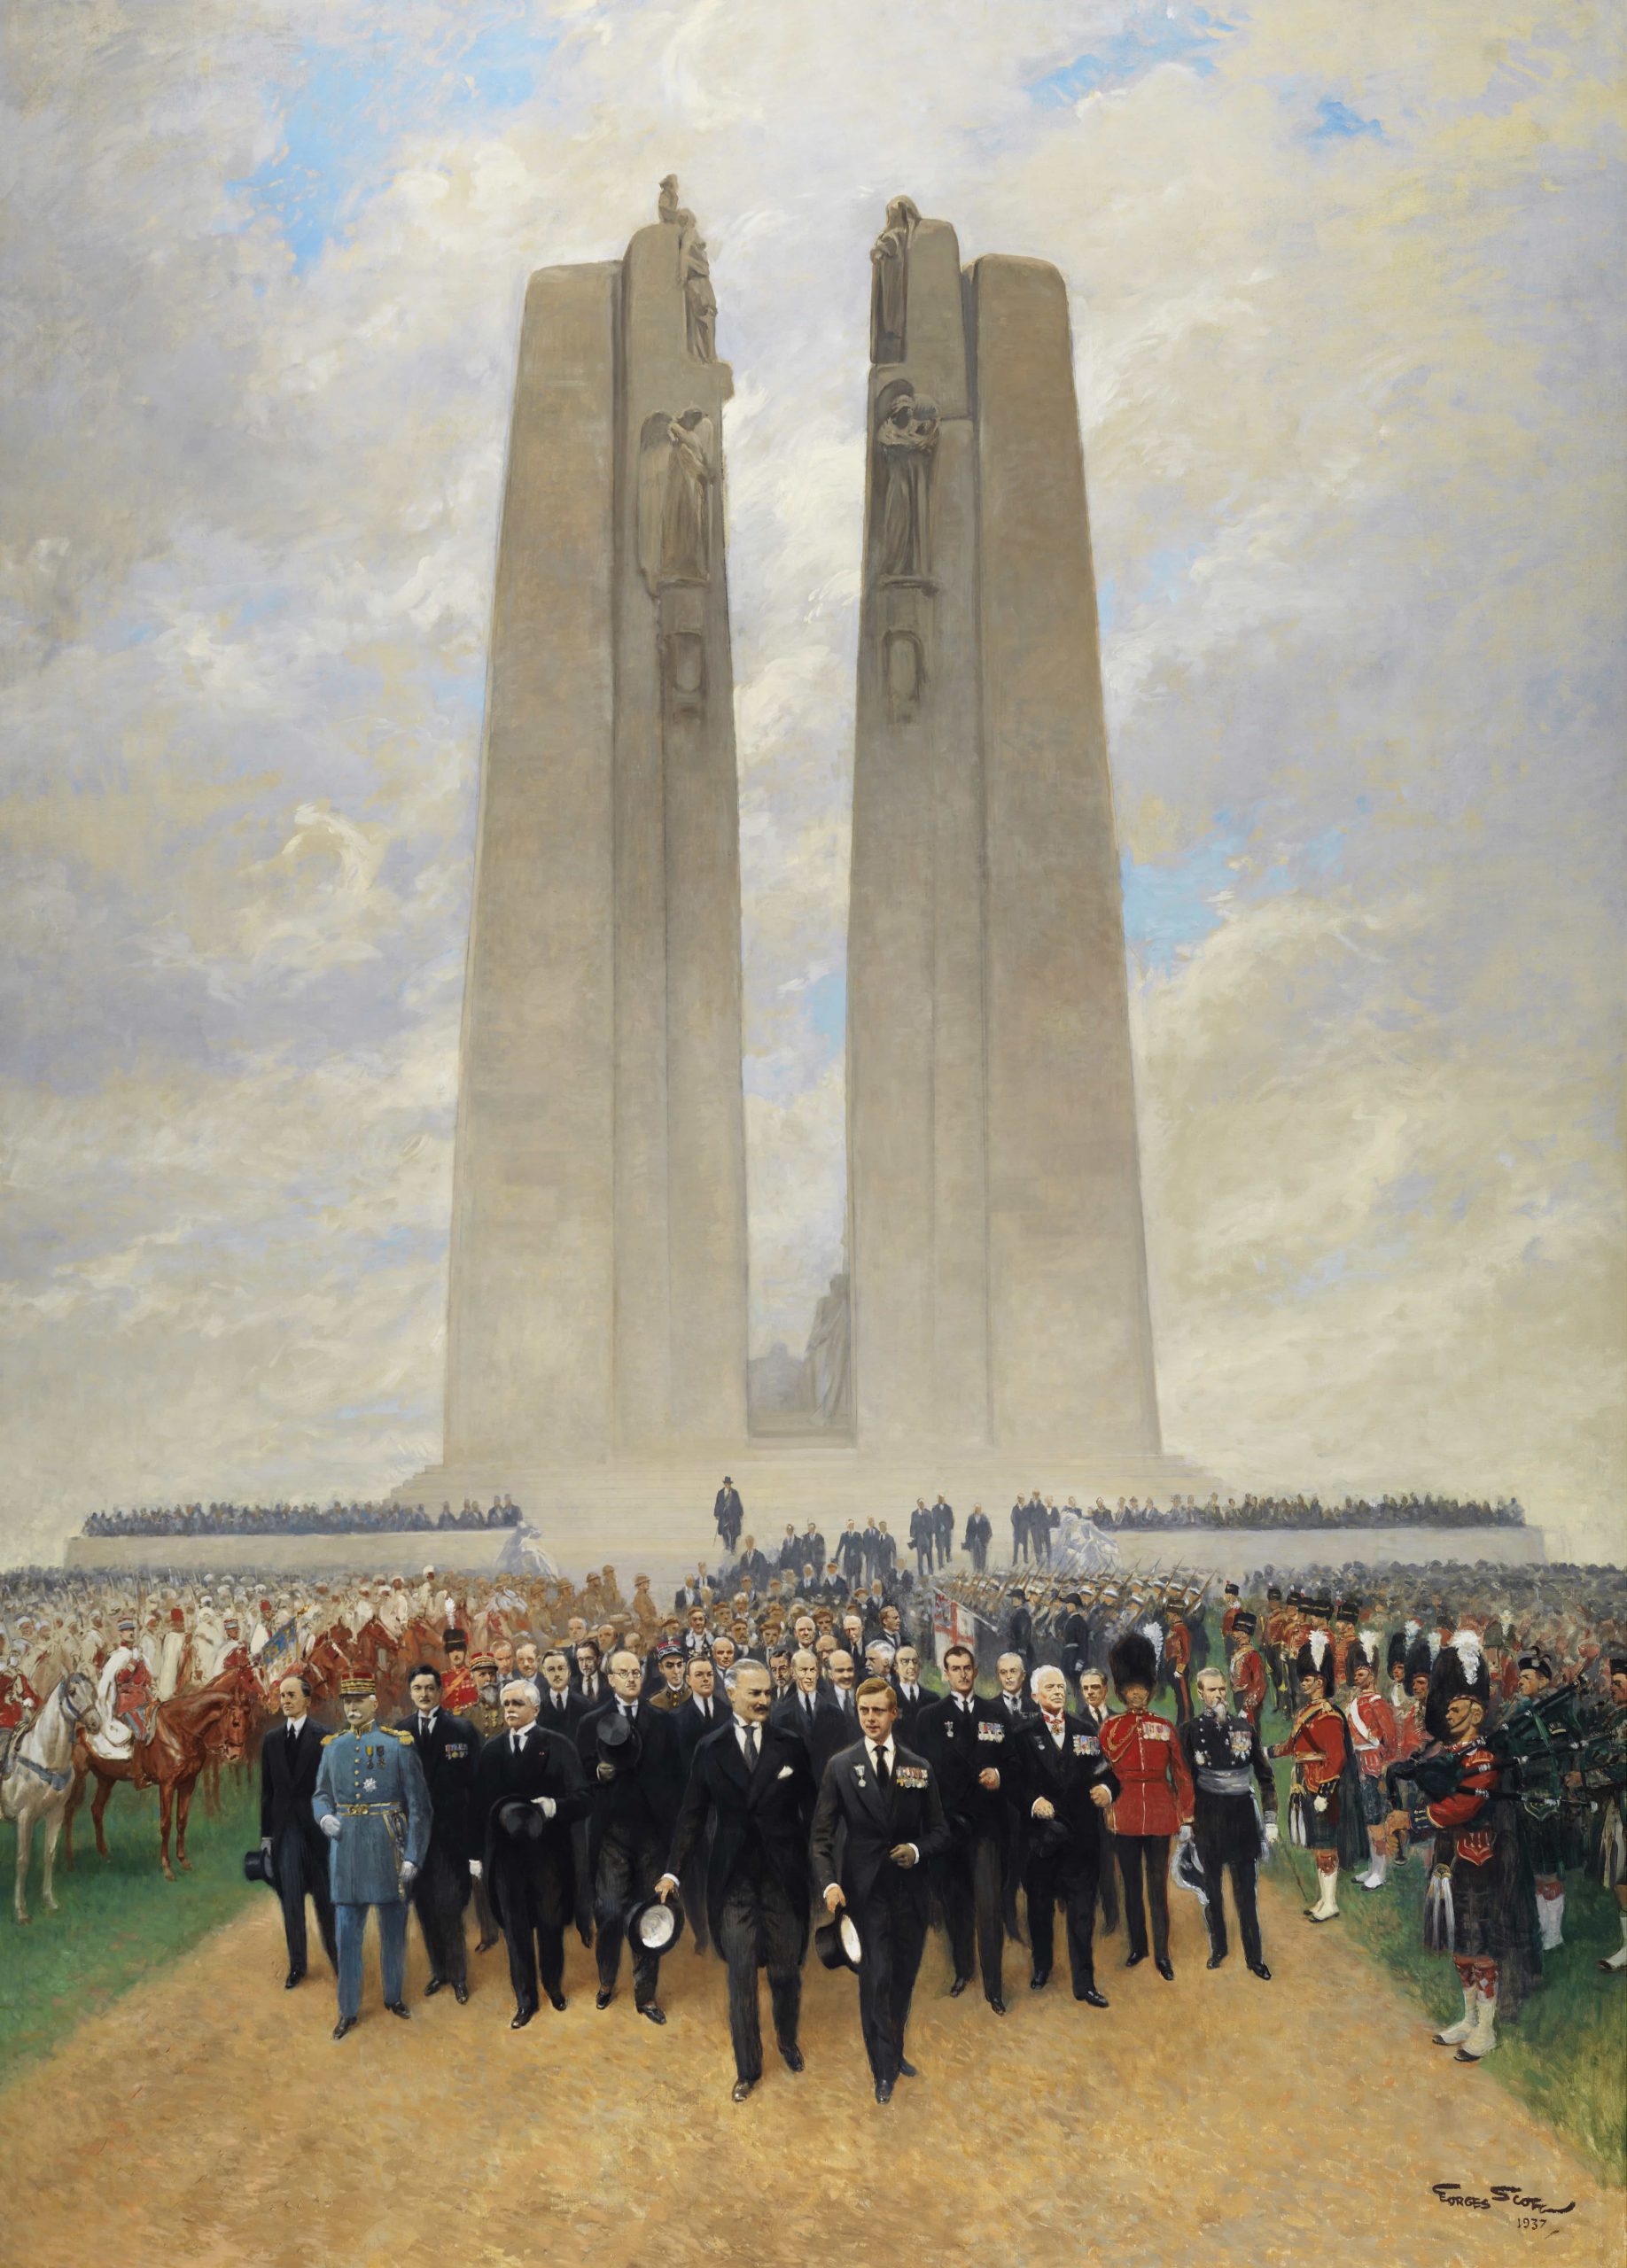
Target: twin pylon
996,1294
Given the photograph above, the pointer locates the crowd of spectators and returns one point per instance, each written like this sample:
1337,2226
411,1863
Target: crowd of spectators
298,1519
1408,1509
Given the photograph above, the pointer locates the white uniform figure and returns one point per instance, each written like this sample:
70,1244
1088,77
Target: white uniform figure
173,1660
151,1645
395,1609
116,1739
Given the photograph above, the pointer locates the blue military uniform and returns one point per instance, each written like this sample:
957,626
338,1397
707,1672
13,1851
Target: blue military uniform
373,1784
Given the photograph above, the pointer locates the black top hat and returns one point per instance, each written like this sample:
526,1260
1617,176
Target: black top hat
257,1867
618,1741
654,1927
838,1942
520,1821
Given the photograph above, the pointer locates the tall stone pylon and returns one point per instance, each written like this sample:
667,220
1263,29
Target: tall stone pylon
597,1297
996,1248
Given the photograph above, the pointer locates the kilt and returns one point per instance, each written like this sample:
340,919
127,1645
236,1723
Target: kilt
1311,1829
1373,1805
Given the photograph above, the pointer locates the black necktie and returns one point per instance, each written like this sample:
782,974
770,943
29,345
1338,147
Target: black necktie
751,1748
423,1726
883,1776
293,1738
518,1741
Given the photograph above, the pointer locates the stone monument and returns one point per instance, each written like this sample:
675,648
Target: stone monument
597,1293
999,1277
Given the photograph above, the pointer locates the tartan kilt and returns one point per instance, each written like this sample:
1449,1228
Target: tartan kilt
1373,1807
1314,1830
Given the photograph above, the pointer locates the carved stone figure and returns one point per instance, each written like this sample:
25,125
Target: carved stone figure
666,203
890,282
674,499
827,1365
700,306
906,438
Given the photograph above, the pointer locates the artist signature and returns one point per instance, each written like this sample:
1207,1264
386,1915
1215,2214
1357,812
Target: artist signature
1534,2212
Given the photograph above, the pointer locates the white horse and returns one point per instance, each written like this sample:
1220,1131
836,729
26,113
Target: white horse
40,1771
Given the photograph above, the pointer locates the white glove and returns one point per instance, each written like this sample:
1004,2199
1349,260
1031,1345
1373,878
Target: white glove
1185,1834
265,1847
1270,1831
410,1873
330,1824
546,1806
475,1868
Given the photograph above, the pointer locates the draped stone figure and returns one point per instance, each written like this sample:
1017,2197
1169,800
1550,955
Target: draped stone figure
700,306
906,438
890,282
828,1364
674,499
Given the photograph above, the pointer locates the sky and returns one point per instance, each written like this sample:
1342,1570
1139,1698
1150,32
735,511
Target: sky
1345,288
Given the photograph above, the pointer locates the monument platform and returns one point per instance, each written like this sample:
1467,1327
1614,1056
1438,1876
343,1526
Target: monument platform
652,1515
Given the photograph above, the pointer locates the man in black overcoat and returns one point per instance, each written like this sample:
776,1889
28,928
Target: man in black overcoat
1060,1786
751,1795
449,1749
528,1793
878,1825
297,1855
630,1753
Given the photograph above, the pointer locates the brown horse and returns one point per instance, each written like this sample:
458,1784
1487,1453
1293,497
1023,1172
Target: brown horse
215,1720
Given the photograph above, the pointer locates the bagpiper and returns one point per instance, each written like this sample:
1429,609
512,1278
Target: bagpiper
1318,1742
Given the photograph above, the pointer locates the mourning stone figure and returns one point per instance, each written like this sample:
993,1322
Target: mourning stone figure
666,203
907,437
890,282
827,1365
674,499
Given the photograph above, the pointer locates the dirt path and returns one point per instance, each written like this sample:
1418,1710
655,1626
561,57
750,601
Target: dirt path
210,2118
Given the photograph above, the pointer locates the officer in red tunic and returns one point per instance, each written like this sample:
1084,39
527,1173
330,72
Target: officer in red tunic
458,1691
1248,1667
1319,1744
1376,1739
1154,1797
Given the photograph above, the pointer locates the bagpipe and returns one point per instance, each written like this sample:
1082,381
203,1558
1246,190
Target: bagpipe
1560,1754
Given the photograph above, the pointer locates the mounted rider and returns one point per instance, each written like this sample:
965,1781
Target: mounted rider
125,1696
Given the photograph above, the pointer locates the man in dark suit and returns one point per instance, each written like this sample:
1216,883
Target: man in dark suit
883,1801
448,1748
1061,1785
964,1738
528,1793
749,1798
1094,1713
849,1551
943,1528
922,1537
979,1532
297,1855
703,1710
728,1515
638,1783
588,1678
808,1711
913,1696
814,1547
562,1706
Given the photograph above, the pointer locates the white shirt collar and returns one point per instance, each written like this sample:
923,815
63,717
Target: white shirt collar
885,1746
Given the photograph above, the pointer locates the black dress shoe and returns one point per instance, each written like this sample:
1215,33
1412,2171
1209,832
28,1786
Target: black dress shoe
485,1945
344,2024
1092,1998
520,2019
1134,1960
792,2055
1261,1971
433,1988
997,2004
1040,1978
958,1987
742,2087
655,2014
293,1978
556,2001
1161,1963
1214,1961
883,2090
606,1994
460,1994
398,2009
907,2070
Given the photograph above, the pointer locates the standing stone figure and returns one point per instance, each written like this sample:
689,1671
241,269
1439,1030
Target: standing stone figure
907,437
667,204
828,1361
674,499
700,306
890,282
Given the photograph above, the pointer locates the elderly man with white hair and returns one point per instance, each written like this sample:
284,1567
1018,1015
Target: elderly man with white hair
529,1790
1061,1787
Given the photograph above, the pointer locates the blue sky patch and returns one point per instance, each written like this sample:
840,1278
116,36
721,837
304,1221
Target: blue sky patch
1336,122
1173,35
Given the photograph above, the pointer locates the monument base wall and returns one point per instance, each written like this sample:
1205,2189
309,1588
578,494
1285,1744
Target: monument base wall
395,1552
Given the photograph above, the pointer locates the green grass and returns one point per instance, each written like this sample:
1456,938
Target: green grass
117,1919
1565,2057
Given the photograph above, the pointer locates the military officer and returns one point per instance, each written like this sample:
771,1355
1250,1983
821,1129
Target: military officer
1224,1755
458,1690
371,1803
1154,1797
964,1737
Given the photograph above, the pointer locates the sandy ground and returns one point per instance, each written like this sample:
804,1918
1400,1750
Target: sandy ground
210,2118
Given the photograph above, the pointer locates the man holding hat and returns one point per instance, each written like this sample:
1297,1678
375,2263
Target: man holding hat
748,1803
289,1754
629,1751
528,1792
1227,1764
371,1803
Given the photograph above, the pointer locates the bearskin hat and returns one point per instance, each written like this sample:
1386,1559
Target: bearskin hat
1244,1623
1420,1659
1460,1667
1315,1659
1133,1662
1359,1657
1395,1659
